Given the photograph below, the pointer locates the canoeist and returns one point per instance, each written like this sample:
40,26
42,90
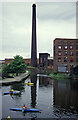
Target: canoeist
11,91
24,107
8,118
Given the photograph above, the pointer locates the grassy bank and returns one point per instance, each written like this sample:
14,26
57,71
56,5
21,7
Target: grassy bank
59,76
30,67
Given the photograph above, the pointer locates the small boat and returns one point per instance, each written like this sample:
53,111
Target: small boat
26,110
8,117
29,83
14,92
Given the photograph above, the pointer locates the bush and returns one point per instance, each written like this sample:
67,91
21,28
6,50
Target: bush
16,66
55,72
59,76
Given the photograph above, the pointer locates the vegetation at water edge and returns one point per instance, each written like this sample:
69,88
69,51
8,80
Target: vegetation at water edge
58,76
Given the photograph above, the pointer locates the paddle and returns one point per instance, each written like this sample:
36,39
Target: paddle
23,110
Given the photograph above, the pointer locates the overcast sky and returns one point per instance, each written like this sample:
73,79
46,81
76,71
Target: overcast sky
54,20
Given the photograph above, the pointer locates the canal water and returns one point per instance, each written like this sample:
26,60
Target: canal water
54,98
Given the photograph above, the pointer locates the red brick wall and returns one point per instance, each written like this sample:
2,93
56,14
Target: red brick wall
27,61
62,42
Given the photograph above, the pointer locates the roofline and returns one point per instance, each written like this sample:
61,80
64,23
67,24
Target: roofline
65,39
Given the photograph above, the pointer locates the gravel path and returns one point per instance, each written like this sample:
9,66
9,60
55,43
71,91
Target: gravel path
15,79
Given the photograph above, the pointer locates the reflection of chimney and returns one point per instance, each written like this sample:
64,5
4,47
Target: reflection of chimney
34,46
33,91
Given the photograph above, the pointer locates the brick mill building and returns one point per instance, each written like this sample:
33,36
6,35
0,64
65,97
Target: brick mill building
27,61
65,54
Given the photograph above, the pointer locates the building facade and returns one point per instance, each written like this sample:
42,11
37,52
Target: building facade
43,59
65,54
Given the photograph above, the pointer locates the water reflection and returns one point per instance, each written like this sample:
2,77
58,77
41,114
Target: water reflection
33,90
44,82
66,96
54,98
74,84
18,87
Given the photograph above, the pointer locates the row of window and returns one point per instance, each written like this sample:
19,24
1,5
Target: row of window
66,52
66,60
66,47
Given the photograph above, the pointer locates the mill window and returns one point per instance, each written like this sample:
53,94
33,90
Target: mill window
59,52
59,46
71,59
71,46
71,53
65,59
59,59
65,52
65,47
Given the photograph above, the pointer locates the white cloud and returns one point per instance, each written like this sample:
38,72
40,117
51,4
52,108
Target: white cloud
53,20
38,1
54,30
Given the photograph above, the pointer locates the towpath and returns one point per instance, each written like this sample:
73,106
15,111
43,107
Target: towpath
15,79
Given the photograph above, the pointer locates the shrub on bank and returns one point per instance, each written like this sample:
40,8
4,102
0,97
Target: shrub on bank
59,76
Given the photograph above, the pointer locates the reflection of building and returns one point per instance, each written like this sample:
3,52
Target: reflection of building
65,94
43,59
65,54
45,81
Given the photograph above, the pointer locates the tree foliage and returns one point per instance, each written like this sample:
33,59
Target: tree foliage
15,66
5,71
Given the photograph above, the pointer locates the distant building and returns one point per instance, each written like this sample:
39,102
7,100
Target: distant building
8,60
27,61
1,63
65,54
43,59
50,62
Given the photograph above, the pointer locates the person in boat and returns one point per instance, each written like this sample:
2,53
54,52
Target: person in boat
11,91
24,107
28,82
8,118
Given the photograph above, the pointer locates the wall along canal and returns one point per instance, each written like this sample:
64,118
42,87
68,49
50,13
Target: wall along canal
55,98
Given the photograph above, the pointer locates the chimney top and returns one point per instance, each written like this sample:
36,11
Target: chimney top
34,5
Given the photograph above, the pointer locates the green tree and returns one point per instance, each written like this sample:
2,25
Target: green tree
5,71
15,66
